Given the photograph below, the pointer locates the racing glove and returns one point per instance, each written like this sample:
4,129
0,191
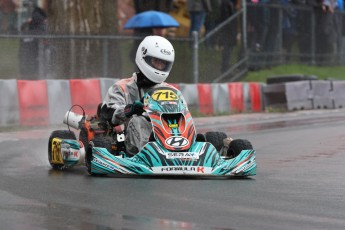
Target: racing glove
106,113
136,108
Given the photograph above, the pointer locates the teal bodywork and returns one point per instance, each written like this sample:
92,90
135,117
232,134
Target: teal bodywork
71,151
202,160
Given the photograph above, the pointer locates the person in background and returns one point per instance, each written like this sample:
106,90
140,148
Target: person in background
122,104
198,10
8,16
228,39
326,31
29,47
212,20
146,5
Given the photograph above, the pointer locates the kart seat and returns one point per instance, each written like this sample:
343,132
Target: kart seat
200,137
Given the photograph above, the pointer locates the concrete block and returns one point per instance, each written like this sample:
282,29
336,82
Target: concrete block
59,98
9,107
338,94
322,98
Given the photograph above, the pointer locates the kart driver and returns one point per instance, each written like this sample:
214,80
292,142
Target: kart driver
121,105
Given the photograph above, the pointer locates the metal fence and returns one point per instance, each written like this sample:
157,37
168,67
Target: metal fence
257,36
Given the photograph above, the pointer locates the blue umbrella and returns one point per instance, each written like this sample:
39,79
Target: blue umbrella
151,19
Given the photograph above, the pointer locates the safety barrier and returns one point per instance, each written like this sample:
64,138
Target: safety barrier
338,94
223,98
33,102
44,102
59,99
300,95
9,108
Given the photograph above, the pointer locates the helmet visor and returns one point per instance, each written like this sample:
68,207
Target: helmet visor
158,64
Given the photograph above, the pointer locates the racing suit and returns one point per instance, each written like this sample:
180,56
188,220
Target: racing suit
137,128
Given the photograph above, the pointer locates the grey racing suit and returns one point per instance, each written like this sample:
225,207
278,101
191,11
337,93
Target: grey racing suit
138,129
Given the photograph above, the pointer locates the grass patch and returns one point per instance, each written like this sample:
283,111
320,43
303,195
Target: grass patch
9,58
325,72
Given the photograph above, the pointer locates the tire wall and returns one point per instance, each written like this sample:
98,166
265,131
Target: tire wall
45,102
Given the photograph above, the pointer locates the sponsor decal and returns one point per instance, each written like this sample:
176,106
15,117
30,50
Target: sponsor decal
173,126
198,169
184,170
69,153
245,167
165,52
176,142
97,161
169,103
182,155
144,50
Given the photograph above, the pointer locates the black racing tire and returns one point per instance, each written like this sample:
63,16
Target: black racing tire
83,136
216,139
236,146
289,78
88,157
103,142
98,141
63,134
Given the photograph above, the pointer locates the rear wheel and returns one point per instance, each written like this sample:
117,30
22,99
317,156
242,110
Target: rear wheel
62,134
236,147
98,141
83,136
216,139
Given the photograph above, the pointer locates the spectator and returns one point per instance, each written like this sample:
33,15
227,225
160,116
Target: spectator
228,35
8,16
304,30
326,32
212,19
338,20
146,5
270,33
289,26
255,27
198,10
158,5
29,47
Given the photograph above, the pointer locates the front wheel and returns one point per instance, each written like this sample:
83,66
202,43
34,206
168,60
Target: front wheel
61,134
216,139
236,147
98,141
89,157
83,136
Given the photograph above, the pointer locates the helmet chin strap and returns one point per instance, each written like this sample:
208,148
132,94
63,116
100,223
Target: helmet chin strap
143,81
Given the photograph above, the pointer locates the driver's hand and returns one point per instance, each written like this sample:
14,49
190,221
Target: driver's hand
136,108
106,113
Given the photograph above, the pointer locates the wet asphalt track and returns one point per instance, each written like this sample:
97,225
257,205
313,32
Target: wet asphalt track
300,183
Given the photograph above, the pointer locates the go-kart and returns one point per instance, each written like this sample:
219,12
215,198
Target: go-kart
174,147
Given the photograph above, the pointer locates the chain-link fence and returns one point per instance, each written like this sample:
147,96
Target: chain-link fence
255,37
292,33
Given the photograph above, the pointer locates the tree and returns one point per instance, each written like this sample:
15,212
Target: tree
77,57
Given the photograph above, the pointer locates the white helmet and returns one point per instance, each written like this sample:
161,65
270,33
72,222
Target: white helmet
153,50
